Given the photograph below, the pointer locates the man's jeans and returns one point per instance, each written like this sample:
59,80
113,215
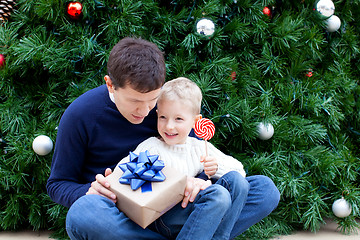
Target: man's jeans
230,206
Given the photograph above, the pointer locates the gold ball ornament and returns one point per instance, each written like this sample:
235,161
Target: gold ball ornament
42,145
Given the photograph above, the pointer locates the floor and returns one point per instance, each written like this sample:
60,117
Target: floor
327,232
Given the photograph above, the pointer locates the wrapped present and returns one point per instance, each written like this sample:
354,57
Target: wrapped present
145,188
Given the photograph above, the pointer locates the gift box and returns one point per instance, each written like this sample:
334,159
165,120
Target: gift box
144,206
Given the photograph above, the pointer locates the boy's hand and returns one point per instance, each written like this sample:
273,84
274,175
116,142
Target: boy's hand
210,165
193,187
101,186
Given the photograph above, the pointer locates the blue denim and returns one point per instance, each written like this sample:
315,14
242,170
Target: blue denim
218,210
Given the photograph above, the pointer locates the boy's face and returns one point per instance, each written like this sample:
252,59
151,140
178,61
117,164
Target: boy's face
133,105
175,121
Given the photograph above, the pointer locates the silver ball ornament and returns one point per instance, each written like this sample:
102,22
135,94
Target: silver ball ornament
266,131
341,208
205,27
325,7
42,145
333,23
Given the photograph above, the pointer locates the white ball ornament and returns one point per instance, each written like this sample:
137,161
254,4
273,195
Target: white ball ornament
341,208
325,7
333,23
205,27
42,145
266,131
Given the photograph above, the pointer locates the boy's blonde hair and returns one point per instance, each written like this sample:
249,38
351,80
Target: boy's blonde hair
184,89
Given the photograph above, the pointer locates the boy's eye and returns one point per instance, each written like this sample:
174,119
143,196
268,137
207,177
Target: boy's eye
179,119
162,117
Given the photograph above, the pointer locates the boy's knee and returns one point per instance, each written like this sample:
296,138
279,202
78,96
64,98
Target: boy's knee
234,180
221,197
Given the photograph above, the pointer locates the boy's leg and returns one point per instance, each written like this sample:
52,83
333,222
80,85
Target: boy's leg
200,219
96,217
238,188
263,198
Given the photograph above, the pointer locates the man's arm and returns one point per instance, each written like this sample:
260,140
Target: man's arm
66,184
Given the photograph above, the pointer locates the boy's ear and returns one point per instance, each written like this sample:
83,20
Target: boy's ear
197,117
109,84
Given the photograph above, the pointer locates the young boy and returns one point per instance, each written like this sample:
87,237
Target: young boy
178,108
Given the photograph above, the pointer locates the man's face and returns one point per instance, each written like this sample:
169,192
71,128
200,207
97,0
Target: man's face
133,105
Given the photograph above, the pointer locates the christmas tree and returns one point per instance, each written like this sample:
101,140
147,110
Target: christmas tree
291,67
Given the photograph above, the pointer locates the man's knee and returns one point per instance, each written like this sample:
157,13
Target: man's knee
271,195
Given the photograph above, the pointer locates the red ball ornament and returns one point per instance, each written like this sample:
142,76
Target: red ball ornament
267,11
74,10
309,73
2,60
233,76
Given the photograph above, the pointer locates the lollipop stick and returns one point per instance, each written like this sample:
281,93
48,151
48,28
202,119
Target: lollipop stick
206,154
206,149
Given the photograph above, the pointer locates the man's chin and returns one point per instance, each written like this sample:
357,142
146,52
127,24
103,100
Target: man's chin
136,120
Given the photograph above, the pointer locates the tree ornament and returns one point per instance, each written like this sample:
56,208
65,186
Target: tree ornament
309,73
267,11
2,60
325,7
205,27
233,76
341,208
42,145
74,10
266,131
6,8
333,23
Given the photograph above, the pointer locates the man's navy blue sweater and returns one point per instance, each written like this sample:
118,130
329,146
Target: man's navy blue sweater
92,136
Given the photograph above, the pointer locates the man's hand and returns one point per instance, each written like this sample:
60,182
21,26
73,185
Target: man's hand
101,186
193,187
210,165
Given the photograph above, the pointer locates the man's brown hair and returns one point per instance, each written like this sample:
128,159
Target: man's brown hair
136,62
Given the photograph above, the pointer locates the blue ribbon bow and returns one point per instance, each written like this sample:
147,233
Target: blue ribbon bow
142,170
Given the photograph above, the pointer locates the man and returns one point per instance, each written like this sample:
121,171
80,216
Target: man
100,128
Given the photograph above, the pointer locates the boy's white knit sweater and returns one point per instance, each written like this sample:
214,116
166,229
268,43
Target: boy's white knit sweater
186,157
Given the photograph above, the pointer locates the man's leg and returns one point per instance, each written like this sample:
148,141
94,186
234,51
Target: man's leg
94,217
263,198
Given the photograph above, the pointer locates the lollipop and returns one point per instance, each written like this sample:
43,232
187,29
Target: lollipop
204,128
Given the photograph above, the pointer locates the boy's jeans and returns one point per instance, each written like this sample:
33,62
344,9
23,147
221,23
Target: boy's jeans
213,215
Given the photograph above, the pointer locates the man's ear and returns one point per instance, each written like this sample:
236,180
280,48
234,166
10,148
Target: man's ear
109,84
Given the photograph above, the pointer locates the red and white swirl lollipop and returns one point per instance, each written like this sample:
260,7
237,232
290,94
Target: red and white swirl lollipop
204,128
